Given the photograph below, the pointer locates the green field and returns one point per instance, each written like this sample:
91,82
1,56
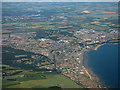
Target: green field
32,79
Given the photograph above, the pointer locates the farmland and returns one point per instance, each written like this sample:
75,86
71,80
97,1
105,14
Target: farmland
32,79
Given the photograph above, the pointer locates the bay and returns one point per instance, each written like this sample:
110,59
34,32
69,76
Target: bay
104,63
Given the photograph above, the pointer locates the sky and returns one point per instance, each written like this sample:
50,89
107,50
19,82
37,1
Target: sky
60,0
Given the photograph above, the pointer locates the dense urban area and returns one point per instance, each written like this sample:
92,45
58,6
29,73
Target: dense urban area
41,40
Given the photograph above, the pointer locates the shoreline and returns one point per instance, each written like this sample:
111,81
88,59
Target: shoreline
99,45
88,69
90,72
96,48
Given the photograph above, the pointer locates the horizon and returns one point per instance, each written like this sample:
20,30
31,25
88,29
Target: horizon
60,1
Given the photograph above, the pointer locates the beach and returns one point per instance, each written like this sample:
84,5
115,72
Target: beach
103,63
96,48
88,70
104,51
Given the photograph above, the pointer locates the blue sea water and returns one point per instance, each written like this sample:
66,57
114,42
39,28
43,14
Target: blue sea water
104,63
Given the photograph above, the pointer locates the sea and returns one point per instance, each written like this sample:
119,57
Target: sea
104,63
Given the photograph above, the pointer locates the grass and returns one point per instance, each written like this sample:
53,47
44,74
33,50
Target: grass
38,80
62,81
29,83
45,83
6,83
34,79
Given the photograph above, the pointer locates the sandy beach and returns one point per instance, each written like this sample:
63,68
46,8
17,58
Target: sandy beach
96,48
88,70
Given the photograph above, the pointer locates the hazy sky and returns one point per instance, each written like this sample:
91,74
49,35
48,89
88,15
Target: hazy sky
60,0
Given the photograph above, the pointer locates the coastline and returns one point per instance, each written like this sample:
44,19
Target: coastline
96,48
88,69
93,76
99,45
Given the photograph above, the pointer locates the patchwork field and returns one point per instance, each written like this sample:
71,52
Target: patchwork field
32,79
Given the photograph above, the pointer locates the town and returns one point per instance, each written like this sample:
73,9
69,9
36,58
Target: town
62,35
68,51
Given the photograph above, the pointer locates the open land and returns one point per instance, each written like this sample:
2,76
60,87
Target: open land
35,79
51,38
